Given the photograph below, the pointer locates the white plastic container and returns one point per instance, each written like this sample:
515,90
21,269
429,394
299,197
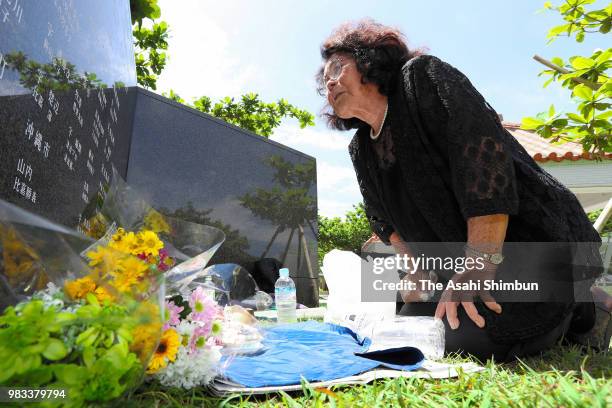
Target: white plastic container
342,272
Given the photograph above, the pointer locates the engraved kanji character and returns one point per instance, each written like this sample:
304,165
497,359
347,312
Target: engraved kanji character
28,172
38,141
18,11
49,29
56,107
21,166
46,149
49,115
34,197
23,188
6,14
28,193
29,131
17,184
85,186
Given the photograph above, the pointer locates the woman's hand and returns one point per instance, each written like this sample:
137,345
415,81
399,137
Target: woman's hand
472,280
371,241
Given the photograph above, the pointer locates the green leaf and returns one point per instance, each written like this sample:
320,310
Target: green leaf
583,92
55,350
558,61
604,57
582,63
605,27
71,374
577,118
558,30
531,123
580,37
89,356
551,110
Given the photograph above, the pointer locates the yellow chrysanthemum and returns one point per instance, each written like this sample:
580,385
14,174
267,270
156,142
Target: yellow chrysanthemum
144,338
79,288
155,222
166,351
102,294
125,242
131,273
150,243
107,260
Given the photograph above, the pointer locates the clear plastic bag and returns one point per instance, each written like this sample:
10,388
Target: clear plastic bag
190,245
384,333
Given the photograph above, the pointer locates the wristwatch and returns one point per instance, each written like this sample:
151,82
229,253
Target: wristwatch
495,259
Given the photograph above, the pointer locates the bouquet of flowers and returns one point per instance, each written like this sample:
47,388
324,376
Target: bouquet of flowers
91,333
189,351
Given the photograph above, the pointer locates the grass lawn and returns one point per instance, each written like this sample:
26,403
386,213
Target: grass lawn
563,376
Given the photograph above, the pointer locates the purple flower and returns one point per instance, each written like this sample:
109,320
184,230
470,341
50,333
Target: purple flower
172,314
203,308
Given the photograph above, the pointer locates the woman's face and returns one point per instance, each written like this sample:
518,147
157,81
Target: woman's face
345,92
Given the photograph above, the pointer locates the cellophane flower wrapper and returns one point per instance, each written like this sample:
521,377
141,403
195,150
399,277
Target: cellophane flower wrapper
87,326
189,351
189,245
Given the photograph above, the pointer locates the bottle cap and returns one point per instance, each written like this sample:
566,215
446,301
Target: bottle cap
284,272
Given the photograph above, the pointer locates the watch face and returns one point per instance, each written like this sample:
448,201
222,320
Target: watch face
496,259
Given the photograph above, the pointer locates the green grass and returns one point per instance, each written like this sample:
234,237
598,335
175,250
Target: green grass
563,376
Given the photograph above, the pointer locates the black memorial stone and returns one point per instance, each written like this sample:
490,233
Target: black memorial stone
70,112
201,169
65,116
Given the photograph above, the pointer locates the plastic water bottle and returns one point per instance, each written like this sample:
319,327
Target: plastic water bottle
284,294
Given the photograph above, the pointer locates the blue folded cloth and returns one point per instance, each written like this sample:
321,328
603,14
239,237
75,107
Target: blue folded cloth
314,351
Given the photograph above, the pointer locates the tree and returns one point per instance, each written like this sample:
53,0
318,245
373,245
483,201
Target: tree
150,44
587,77
348,234
249,113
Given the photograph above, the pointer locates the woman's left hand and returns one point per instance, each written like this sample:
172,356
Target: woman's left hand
468,285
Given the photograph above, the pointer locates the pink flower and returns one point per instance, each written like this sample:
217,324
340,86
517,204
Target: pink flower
198,338
203,308
172,314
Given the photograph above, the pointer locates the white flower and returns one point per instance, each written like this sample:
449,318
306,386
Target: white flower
191,370
51,296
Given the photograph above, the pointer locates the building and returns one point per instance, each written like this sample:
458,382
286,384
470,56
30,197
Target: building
589,179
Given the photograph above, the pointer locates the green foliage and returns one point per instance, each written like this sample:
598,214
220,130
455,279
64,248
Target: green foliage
578,20
348,234
85,353
607,229
587,77
249,113
150,44
562,376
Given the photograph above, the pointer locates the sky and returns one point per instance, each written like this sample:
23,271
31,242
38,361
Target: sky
229,48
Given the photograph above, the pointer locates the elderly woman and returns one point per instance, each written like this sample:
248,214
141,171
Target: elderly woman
434,164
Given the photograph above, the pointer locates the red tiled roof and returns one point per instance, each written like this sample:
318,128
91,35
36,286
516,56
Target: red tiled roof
542,150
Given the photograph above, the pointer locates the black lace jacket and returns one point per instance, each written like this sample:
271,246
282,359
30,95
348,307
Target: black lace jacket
458,161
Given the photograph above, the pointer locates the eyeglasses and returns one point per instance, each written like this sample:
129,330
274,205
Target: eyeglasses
334,69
